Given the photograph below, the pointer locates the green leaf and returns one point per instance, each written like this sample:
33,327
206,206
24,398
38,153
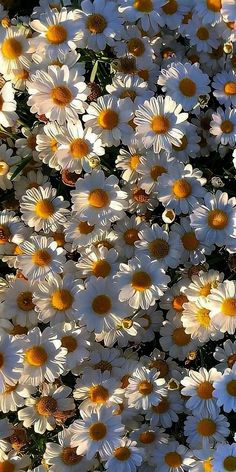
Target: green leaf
21,166
94,72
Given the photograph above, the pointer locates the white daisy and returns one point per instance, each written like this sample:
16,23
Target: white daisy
172,457
79,232
197,321
224,84
167,411
47,144
209,11
226,355
128,161
13,397
203,431
150,168
175,340
8,115
223,126
198,388
203,37
98,261
125,457
147,11
11,360
13,461
145,388
222,305
14,49
192,249
135,46
224,458
130,86
19,303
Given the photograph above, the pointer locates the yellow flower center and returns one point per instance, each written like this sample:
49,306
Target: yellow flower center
59,238
188,16
182,188
166,53
134,161
214,5
4,234
69,342
79,148
61,96
147,437
170,7
97,431
128,93
7,466
24,301
4,167
207,465
130,236
85,228
17,329
145,387
160,365
190,241
36,356
136,47
41,258
206,427
46,406
108,119
1,360
53,145
156,171
101,268
98,198
203,317
230,88
127,323
160,124
44,209
173,459
178,301
230,463
62,299
205,290
69,456
182,146
141,281
231,360
162,407
22,75
56,34
96,23
145,6
180,337
101,304
217,219
11,48
204,390
217,53
227,126
103,365
187,87
98,394
159,248
202,33
140,196
122,453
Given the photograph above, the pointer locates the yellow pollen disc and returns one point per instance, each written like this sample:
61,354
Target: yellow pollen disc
207,465
183,144
230,463
162,407
59,238
231,360
128,93
130,236
36,356
145,6
166,53
143,74
140,196
11,49
97,431
136,47
4,234
134,161
61,96
160,365
206,427
187,87
98,198
147,437
31,141
156,171
22,75
79,148
227,126
178,301
69,456
160,124
85,228
203,317
101,268
205,290
103,365
228,307
180,337
4,167
108,119
46,406
103,243
24,301
214,5
56,34
190,241
41,258
62,300
145,387
122,453
141,281
170,7
188,16
53,145
96,23
202,33
159,248
181,188
127,323
204,390
101,304
7,466
98,394
173,459
217,219
69,342
44,209
1,360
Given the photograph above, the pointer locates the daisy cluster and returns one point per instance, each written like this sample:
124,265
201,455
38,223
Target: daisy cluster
118,236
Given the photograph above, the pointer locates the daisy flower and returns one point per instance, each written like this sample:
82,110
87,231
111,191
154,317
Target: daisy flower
147,11
98,198
12,231
141,282
59,94
226,355
223,126
14,49
42,209
130,86
135,46
203,431
150,168
75,340
148,438
125,457
79,232
203,37
224,84
99,24
192,249
14,462
109,119
222,305
181,188
202,284
225,390
228,10
175,340
215,220
198,388
98,431
224,458
159,123
167,411
145,388
33,179
139,201
47,144
13,397
125,330
8,115
44,357
27,145
172,457
197,321
19,303
7,166
11,360
128,162
209,11
98,261
40,256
